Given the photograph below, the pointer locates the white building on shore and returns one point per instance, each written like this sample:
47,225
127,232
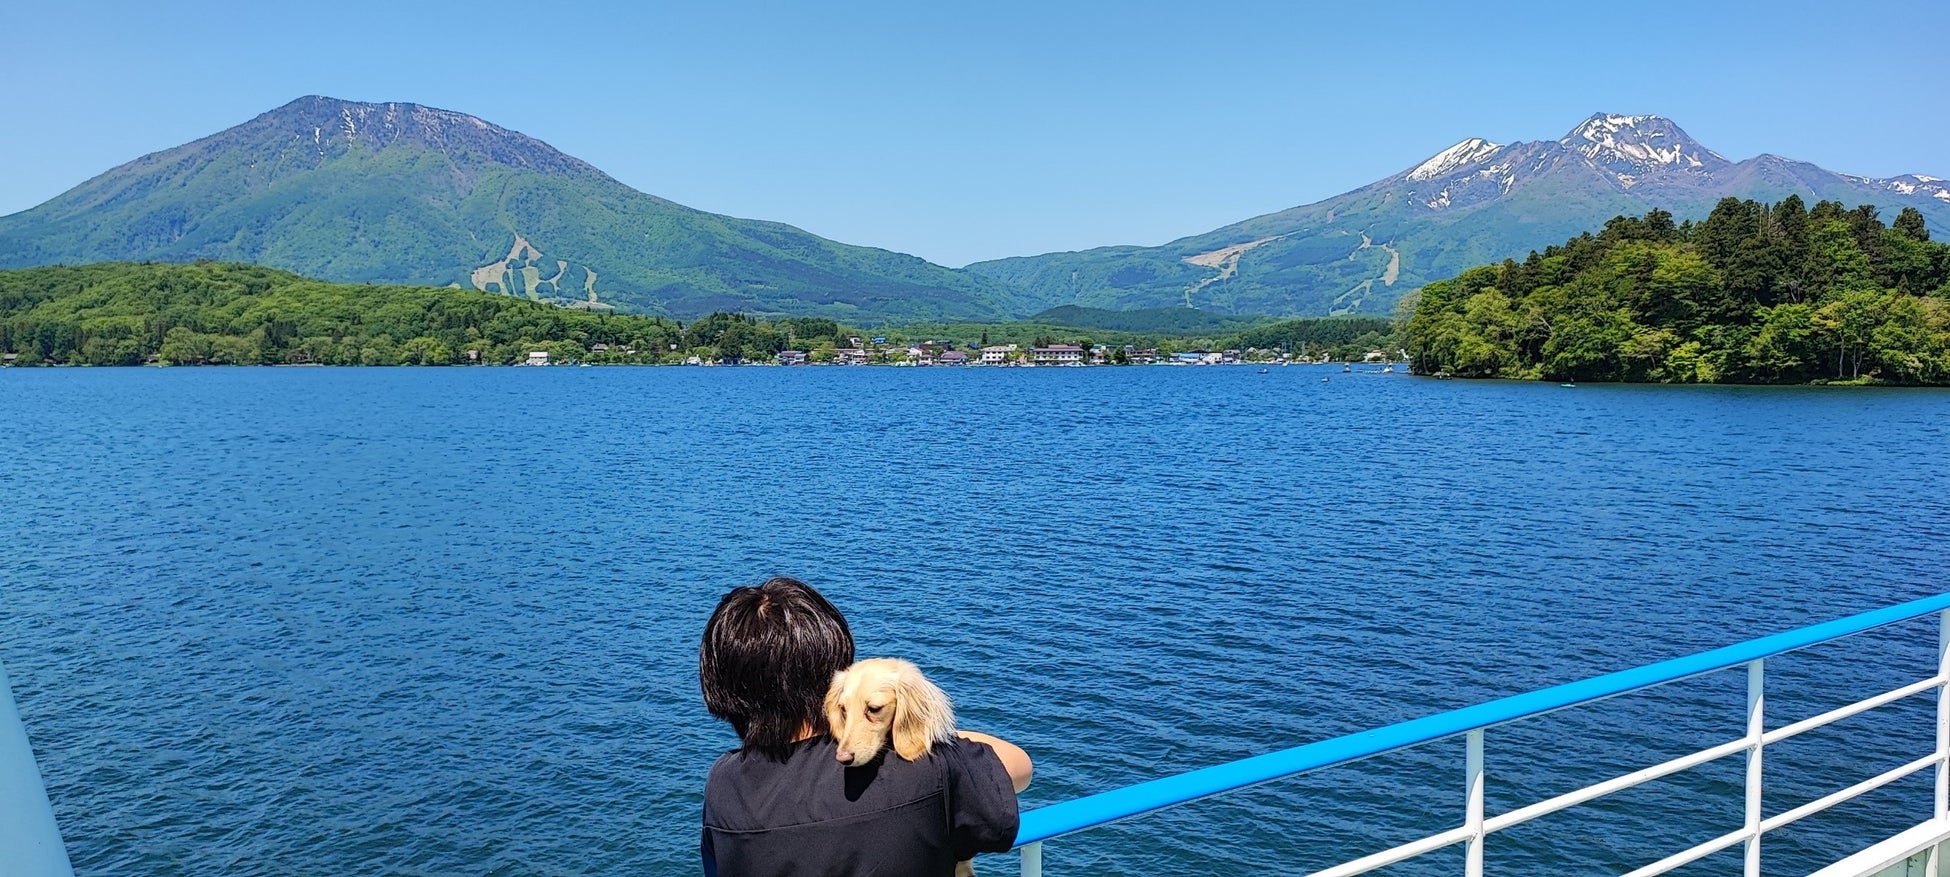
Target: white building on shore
1057,354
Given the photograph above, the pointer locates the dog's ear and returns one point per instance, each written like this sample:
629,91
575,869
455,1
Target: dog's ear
922,713
833,722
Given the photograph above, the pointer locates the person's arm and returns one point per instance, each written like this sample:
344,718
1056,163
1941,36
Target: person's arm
1014,760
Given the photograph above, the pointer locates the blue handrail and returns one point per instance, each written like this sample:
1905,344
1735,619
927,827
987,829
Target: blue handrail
1077,814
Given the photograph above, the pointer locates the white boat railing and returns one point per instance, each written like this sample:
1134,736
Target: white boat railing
1471,722
30,842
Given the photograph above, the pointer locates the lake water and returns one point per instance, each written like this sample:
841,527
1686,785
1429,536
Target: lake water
445,621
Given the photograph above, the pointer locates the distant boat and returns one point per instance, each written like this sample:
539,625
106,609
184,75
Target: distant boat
1262,371
1569,386
1347,368
1323,380
1388,370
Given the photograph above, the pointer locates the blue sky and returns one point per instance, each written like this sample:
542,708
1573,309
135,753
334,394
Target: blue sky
961,132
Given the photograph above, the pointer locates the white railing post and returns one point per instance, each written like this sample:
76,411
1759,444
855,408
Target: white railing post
1756,734
1032,860
1473,809
1943,715
1934,865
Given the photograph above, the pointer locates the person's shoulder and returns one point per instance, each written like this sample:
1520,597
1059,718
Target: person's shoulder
964,754
728,756
963,747
800,756
723,765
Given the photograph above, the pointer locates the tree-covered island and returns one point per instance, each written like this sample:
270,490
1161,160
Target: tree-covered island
1760,294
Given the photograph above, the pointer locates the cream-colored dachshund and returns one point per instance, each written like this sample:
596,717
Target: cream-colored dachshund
882,701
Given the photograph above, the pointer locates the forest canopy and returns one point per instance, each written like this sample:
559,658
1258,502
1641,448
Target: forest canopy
1756,293
227,313
233,314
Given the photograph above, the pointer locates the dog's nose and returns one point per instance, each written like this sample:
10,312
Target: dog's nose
844,756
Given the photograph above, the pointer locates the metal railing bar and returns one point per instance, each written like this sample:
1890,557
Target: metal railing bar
1617,784
1827,801
1473,804
1089,811
1756,747
1942,807
1692,854
1861,706
1521,815
1395,854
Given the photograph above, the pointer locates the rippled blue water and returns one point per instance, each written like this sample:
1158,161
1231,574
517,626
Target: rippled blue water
273,621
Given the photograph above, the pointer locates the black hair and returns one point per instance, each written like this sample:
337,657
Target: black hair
768,656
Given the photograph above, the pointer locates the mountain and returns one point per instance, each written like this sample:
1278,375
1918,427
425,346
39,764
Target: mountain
402,193
1473,203
1174,321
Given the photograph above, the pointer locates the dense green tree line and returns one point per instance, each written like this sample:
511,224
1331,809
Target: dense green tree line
1754,294
1340,337
223,313
231,314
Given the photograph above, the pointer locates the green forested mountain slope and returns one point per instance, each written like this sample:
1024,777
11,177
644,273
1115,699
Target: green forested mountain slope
1473,203
1754,294
401,193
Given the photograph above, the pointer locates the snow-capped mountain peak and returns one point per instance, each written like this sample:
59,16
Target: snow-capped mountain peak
1616,142
1648,157
1463,154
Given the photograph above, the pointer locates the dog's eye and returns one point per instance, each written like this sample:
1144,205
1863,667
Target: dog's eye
875,710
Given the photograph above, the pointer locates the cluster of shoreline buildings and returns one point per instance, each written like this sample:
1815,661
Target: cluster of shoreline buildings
943,353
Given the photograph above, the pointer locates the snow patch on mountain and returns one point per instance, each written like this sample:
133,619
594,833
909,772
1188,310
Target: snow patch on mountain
1602,125
1502,171
1463,154
1915,185
1608,138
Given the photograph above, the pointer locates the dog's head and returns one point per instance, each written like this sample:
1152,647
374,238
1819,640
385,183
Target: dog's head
883,699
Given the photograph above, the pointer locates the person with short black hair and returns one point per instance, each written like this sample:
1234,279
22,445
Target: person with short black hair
783,804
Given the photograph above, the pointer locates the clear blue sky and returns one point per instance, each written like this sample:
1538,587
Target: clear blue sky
969,131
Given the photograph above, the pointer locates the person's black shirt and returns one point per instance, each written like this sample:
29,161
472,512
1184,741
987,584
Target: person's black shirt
811,816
